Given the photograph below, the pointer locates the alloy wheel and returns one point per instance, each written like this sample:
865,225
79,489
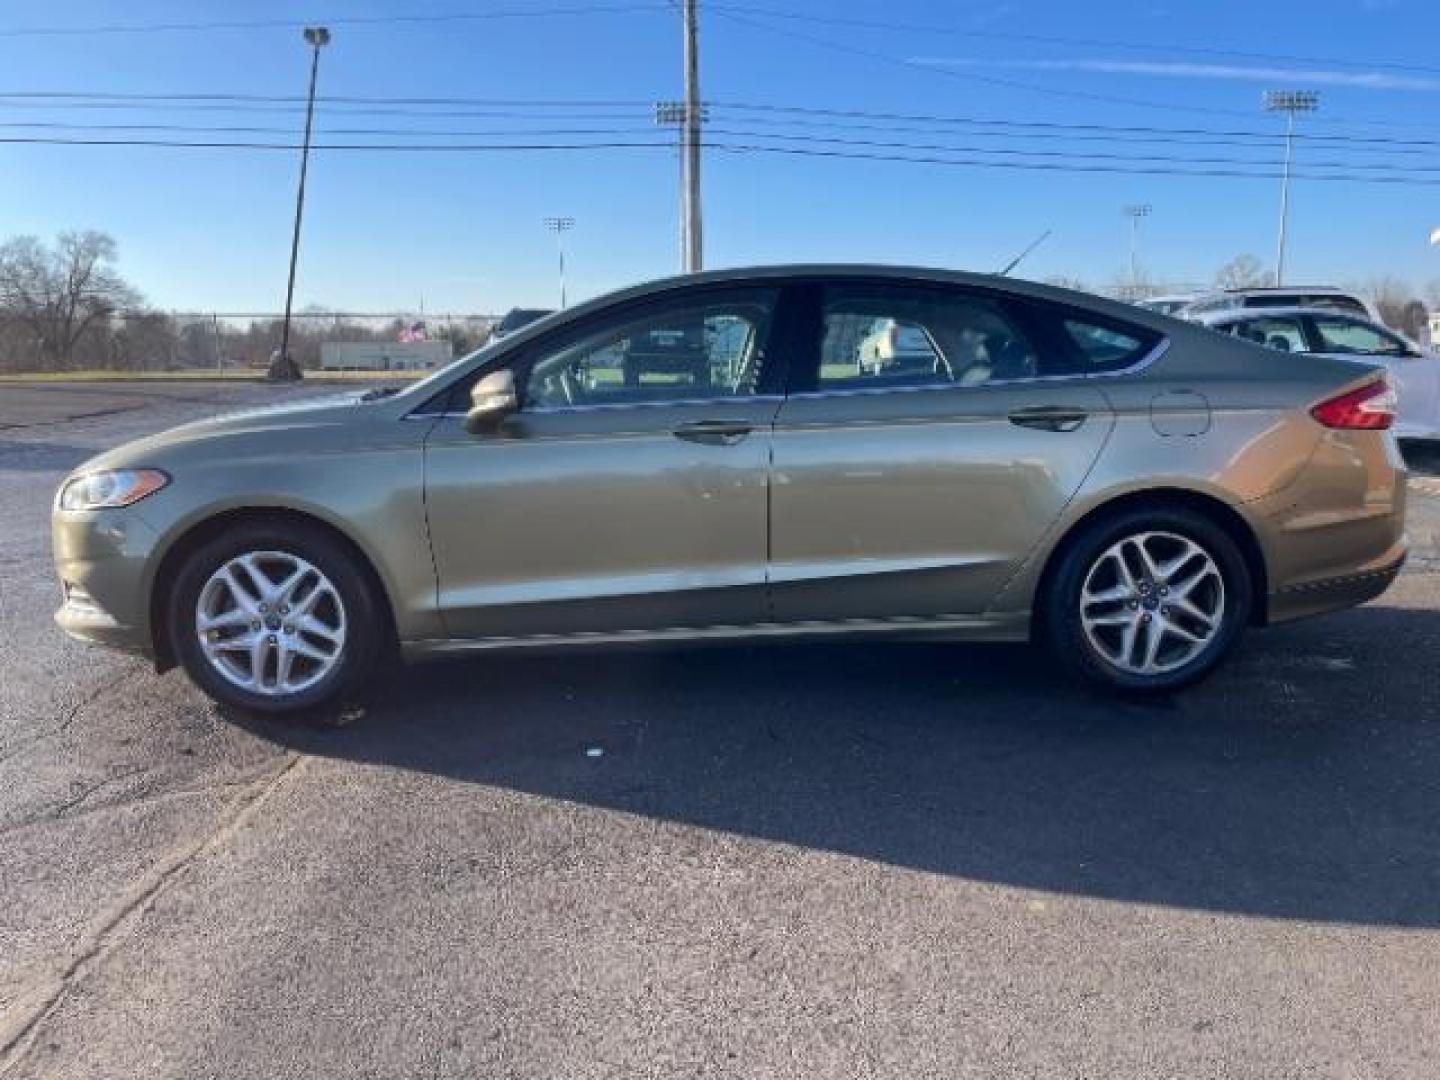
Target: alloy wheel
1152,602
271,623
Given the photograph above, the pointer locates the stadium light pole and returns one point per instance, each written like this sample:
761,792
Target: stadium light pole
1135,211
1289,102
284,369
560,226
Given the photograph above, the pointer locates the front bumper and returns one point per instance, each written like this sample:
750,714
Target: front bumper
101,558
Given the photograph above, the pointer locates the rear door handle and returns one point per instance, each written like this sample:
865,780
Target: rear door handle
714,432
1049,418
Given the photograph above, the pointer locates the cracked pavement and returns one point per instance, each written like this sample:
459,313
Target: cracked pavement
824,860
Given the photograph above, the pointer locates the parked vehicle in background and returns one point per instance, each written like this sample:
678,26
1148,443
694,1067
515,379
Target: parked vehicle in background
1167,305
711,457
518,319
1309,296
1414,371
895,345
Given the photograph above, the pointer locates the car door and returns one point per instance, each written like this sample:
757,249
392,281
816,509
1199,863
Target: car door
916,486
628,493
1415,376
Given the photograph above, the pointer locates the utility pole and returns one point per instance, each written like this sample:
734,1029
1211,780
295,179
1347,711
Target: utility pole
672,114
1289,102
283,368
560,226
694,235
1135,211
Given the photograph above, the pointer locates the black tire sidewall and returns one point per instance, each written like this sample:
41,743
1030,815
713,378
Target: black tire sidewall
362,632
1061,617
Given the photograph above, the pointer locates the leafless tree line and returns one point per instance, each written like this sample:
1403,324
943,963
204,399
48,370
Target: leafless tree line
64,307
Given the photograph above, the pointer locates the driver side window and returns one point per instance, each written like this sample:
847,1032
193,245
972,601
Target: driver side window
696,349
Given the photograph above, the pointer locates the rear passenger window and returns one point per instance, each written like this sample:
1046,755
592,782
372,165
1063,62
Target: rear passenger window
896,336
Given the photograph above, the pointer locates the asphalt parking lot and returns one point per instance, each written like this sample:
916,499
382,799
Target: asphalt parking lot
830,860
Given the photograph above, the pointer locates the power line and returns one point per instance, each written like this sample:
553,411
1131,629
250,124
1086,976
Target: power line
532,109
1165,48
107,95
1062,154
743,133
739,148
1058,167
1055,125
354,22
966,76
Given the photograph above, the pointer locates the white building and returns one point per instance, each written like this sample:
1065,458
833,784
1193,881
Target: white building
383,355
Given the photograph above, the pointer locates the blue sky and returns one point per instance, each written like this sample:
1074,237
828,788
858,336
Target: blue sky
205,229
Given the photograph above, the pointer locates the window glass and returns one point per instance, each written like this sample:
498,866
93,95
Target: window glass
1104,348
1324,301
699,350
896,337
1338,335
1279,332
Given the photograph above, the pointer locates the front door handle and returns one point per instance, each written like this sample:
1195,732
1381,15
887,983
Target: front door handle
714,432
1049,418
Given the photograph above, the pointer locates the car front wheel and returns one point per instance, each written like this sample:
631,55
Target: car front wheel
1148,601
274,619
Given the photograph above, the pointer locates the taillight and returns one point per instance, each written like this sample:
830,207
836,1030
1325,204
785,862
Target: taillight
1368,408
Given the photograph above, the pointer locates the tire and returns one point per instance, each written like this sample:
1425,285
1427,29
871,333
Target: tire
333,634
1089,607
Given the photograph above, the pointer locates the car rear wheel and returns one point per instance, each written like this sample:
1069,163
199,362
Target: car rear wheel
1147,601
275,619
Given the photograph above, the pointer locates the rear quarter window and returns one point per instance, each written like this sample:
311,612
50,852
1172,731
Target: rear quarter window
1085,344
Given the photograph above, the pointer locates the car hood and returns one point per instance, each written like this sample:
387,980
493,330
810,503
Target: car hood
329,410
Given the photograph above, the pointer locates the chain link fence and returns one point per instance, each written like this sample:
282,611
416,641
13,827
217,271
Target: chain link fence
236,342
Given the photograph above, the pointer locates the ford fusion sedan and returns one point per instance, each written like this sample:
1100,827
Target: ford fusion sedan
716,457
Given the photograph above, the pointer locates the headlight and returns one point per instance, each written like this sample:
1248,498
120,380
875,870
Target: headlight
109,489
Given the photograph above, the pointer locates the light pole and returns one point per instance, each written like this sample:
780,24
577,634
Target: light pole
694,247
1289,102
283,368
560,226
1135,211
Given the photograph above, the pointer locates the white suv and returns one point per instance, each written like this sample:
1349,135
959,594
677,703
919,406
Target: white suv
1325,297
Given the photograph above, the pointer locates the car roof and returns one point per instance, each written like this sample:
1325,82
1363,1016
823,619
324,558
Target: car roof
741,275
1256,290
1233,315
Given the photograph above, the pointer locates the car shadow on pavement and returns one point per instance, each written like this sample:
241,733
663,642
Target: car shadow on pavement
1301,782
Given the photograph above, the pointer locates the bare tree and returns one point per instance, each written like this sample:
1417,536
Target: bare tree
61,293
1064,281
1394,299
1242,272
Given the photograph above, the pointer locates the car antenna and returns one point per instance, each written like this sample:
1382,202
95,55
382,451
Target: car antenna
1016,260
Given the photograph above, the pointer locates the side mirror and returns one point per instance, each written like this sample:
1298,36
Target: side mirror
492,399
